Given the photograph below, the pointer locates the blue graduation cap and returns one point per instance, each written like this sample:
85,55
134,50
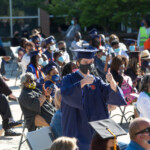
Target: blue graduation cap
36,37
94,31
49,40
33,53
130,41
49,67
85,53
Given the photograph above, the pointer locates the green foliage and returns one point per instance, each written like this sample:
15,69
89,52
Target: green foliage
104,13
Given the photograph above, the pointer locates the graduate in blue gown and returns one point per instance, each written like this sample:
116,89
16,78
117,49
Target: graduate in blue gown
52,76
35,61
85,99
50,48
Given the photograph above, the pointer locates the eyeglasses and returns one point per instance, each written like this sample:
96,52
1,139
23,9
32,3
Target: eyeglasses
143,131
31,81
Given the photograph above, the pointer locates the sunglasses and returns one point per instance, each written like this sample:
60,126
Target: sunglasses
143,131
31,81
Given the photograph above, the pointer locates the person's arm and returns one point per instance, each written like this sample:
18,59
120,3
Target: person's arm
42,99
64,33
106,63
71,93
111,93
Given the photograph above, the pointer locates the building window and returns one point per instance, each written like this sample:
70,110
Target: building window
17,15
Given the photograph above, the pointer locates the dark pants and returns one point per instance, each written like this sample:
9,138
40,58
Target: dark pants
2,68
5,111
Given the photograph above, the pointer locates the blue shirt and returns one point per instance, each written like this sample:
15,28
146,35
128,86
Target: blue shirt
56,124
134,146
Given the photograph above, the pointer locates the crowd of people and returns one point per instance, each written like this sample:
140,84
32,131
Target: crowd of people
73,84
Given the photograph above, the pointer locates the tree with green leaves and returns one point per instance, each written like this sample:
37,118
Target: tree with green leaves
104,13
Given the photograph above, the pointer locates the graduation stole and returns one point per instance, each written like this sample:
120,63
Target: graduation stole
43,75
115,139
36,72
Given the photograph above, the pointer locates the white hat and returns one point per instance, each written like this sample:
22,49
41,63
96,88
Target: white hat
145,54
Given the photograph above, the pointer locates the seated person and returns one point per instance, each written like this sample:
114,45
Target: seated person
139,130
101,62
59,60
56,120
50,47
78,43
52,76
35,104
69,68
7,121
64,143
105,136
29,46
118,65
143,102
21,50
117,49
45,60
34,67
36,41
63,49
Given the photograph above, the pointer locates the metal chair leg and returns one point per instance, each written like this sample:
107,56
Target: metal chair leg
20,143
13,67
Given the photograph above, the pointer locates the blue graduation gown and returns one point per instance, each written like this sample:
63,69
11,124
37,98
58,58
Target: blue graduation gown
40,80
80,106
49,55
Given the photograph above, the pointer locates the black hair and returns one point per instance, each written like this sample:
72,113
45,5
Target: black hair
33,61
114,42
145,83
56,54
67,69
22,41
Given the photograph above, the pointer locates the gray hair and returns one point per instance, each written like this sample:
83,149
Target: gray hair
26,77
145,83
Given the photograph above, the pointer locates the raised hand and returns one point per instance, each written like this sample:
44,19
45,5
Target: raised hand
109,76
88,79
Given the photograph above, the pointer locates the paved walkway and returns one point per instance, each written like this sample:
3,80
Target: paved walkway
11,143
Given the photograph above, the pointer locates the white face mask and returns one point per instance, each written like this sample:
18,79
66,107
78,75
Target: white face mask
45,63
103,58
53,47
40,62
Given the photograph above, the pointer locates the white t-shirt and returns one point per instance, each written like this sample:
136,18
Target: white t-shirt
143,105
24,62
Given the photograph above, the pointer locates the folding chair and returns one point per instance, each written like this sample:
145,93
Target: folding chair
14,51
124,114
38,140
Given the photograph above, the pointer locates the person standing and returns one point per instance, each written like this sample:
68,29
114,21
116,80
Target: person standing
85,98
144,33
70,33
